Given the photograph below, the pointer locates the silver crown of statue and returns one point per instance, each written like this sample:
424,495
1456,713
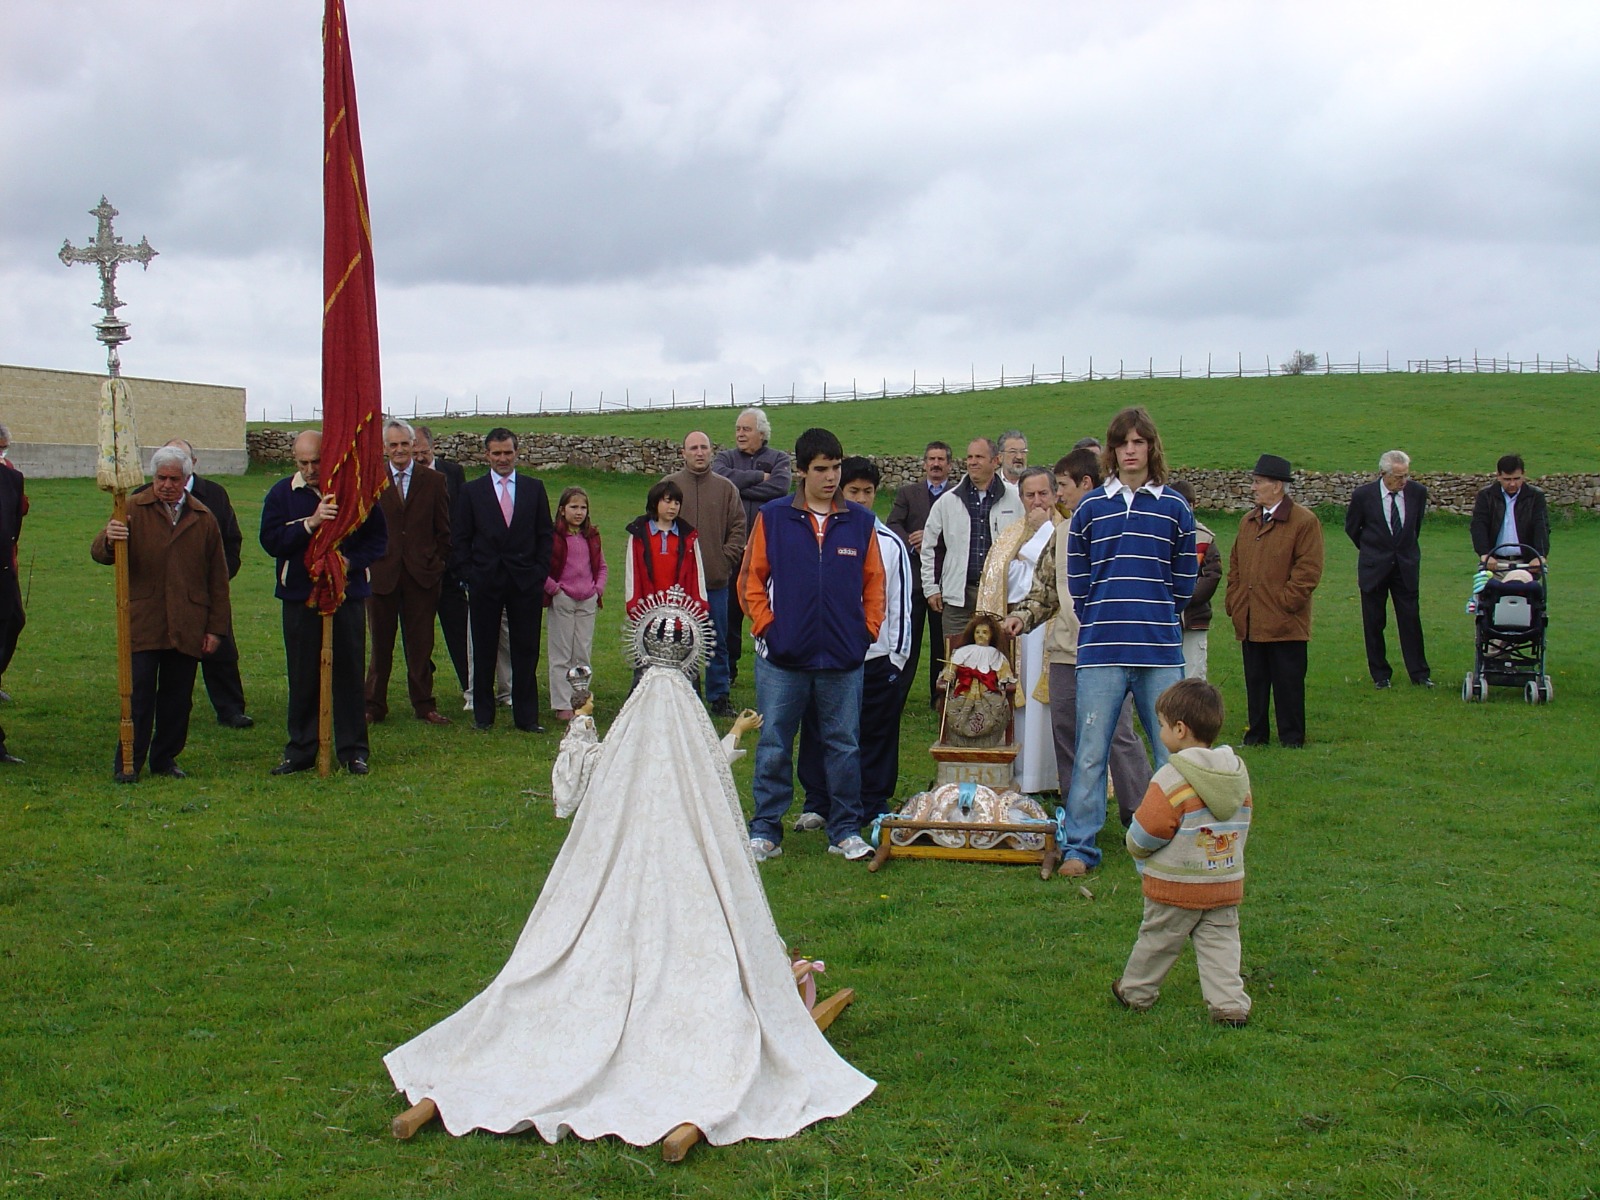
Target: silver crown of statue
670,629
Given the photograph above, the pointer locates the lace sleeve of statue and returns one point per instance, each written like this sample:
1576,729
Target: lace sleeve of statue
730,748
569,778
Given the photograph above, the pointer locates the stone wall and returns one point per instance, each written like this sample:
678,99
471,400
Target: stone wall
54,419
1214,490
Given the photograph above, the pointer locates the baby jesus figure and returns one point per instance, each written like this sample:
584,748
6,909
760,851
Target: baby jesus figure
977,678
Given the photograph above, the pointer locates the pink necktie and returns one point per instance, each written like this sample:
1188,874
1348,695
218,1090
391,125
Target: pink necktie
505,499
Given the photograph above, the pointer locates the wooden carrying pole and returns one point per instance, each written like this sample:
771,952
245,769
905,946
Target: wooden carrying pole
119,552
325,700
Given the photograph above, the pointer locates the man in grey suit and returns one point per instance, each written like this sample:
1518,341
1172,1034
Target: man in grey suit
907,515
1383,520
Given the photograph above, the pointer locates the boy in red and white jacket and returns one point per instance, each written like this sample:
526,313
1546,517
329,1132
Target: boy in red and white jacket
1187,840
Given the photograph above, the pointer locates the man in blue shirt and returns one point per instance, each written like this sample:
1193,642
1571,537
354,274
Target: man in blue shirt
1130,569
1508,514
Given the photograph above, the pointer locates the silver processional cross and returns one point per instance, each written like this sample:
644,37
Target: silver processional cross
107,251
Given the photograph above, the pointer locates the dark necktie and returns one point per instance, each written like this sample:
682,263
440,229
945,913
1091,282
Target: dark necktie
1394,513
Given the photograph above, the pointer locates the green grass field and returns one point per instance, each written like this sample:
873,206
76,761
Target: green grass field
201,977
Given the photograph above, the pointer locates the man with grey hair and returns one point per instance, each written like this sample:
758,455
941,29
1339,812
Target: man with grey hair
1013,445
178,608
1383,520
761,472
406,578
962,526
220,670
13,507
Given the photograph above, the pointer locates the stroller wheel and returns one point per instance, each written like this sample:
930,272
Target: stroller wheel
1547,689
1469,691
1483,687
1530,692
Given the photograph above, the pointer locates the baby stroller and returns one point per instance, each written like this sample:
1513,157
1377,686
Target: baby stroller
1509,630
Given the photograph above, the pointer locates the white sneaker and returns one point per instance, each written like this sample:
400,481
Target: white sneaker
764,849
853,848
809,822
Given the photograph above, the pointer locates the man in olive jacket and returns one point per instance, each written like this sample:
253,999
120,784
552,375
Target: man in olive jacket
1275,565
178,610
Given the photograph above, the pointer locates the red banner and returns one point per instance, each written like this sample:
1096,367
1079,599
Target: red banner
352,430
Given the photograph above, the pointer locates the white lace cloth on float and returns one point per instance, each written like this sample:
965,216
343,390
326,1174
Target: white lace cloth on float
649,986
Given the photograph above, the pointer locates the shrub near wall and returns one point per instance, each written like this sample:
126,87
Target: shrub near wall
1214,490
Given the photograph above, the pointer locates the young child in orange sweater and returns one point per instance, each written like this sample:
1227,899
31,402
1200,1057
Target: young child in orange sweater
1187,840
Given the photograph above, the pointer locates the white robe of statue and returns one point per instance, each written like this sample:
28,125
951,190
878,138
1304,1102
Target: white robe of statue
649,987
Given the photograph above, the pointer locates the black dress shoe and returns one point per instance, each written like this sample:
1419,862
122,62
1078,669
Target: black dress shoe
1253,741
534,728
172,772
237,721
483,726
290,767
1380,684
356,766
6,757
723,708
1423,682
125,776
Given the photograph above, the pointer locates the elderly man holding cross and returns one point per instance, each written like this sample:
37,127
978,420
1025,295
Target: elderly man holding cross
178,611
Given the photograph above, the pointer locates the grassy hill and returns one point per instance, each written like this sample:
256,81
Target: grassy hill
1318,422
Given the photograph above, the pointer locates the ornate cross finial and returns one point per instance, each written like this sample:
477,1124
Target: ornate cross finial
107,251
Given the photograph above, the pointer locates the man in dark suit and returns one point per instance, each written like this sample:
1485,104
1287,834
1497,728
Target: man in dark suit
1383,520
293,510
405,581
221,670
13,504
452,600
501,535
1508,514
907,515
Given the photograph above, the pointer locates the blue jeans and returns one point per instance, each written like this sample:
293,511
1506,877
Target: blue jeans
717,667
1100,695
782,698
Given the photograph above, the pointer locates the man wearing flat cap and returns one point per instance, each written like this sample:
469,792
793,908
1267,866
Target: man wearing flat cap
1275,565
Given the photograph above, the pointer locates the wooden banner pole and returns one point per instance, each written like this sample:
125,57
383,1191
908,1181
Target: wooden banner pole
119,552
325,700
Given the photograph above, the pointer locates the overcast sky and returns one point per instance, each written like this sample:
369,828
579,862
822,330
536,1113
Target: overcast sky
607,196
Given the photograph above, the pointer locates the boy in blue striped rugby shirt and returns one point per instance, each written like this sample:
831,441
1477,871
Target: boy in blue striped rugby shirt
1131,569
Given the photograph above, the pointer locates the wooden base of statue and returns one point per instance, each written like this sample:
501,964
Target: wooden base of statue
676,1145
992,766
995,767
1048,856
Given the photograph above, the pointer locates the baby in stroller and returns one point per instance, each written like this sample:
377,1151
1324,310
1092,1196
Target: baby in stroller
1508,605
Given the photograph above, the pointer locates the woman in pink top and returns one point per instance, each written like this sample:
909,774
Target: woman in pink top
573,589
